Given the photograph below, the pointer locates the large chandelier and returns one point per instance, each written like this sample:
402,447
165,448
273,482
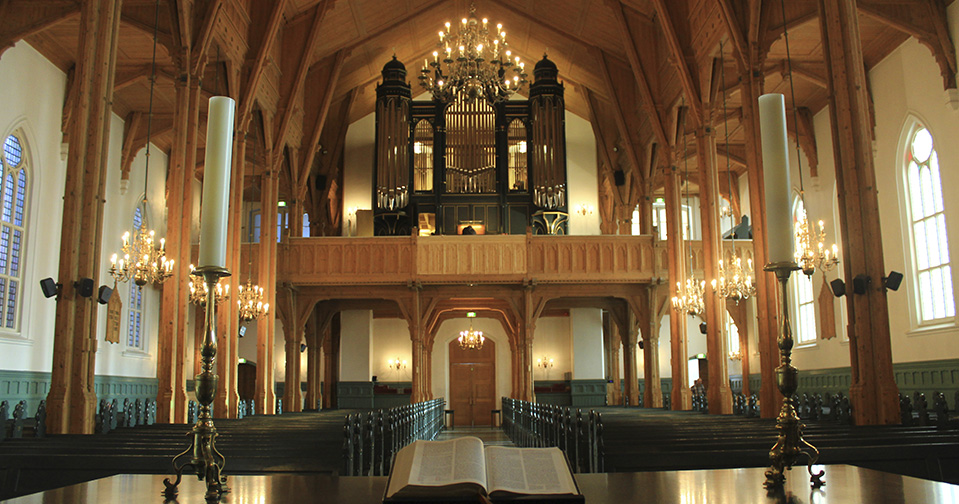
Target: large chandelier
199,290
734,282
472,63
250,300
471,339
809,257
143,260
689,294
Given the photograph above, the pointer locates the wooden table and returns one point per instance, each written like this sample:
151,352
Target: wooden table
844,484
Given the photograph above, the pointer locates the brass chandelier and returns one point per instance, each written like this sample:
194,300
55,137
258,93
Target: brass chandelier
735,282
199,290
250,300
689,294
144,261
809,257
471,339
471,63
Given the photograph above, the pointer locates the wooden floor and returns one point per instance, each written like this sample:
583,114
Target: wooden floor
844,485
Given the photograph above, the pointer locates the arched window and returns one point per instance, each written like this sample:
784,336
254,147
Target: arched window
927,227
13,202
135,338
804,308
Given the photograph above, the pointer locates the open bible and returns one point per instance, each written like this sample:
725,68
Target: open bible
462,469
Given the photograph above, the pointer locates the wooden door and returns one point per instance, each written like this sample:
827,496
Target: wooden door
246,380
472,384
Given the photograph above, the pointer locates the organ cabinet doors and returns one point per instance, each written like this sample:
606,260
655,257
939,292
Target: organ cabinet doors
444,167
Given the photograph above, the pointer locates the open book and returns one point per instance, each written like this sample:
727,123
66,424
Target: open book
462,469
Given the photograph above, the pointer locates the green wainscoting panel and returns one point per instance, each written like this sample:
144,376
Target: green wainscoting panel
554,392
354,395
33,387
586,393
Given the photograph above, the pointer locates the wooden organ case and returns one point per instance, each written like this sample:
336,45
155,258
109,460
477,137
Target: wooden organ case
470,164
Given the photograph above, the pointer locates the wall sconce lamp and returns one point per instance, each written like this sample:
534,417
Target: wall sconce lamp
396,364
545,362
585,209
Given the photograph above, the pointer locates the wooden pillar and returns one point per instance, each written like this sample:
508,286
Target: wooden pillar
767,298
173,303
417,327
313,352
873,393
180,397
525,346
614,396
428,375
71,402
292,395
680,396
265,390
653,392
331,352
630,335
718,392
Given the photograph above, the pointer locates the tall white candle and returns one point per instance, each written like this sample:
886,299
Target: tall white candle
779,224
216,182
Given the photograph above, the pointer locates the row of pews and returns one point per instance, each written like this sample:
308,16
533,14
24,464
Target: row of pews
579,435
642,439
372,438
18,425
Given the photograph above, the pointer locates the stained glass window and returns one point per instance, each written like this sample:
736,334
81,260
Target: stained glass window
928,228
805,308
135,305
13,205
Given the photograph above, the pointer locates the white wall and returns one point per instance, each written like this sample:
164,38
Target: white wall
553,339
34,104
587,343
356,349
581,172
358,166
391,340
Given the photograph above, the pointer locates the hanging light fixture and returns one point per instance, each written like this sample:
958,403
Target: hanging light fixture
471,339
199,290
689,295
735,282
249,297
474,62
811,251
144,260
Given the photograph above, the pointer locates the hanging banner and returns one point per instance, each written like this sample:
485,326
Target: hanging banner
114,310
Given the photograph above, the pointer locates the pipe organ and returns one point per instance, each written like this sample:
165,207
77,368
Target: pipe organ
494,168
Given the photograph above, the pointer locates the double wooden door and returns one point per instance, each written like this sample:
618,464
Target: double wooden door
472,384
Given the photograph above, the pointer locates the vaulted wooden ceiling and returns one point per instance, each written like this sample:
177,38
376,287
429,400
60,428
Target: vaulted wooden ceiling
308,68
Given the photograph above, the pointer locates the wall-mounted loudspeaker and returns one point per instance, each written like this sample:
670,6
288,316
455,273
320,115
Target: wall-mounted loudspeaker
838,287
893,281
860,283
103,296
84,287
49,287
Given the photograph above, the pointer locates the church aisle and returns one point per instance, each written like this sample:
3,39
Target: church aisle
490,437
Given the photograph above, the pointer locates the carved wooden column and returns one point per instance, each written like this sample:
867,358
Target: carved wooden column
180,397
417,326
653,392
174,304
331,352
614,395
717,391
873,392
680,396
72,399
630,335
524,344
767,298
312,363
265,390
292,395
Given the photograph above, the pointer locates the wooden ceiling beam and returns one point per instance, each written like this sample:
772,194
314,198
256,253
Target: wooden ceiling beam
618,116
131,131
22,19
332,168
308,149
735,30
693,96
646,94
245,107
163,38
413,14
302,69
601,139
934,33
204,37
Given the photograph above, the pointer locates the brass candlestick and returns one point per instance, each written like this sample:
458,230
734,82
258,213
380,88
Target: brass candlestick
204,459
790,444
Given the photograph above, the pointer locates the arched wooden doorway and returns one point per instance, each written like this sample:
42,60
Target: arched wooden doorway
472,383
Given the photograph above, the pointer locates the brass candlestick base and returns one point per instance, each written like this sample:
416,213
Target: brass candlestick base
790,444
204,459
